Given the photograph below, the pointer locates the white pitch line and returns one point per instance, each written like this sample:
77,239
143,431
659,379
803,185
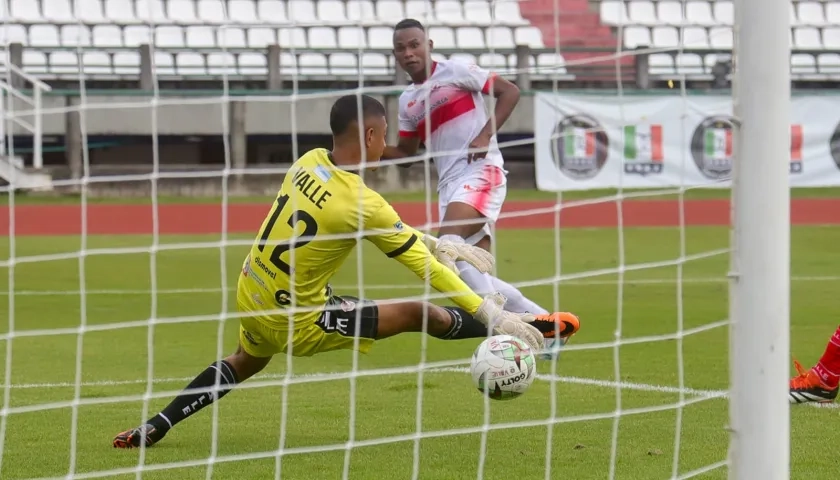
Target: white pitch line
593,382
182,291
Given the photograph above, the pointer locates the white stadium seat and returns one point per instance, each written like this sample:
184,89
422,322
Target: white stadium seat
635,37
642,12
420,10
614,12
723,11
78,35
292,37
164,63
252,64
449,12
695,37
688,64
499,37
90,11
212,11
803,64
97,63
470,37
343,64
34,62
64,63
302,12
661,64
389,11
351,38
112,36
670,12
313,64
832,13
120,11
322,37
720,37
810,14
58,11
261,37
272,12
551,64
443,37
182,11
361,11
232,37
151,11
25,11
380,37
530,36
221,63
169,36
13,34
242,11
126,63
375,64
133,35
699,13
507,12
43,36
331,12
478,12
493,61
831,38
665,37
829,62
807,37
463,57
189,63
200,37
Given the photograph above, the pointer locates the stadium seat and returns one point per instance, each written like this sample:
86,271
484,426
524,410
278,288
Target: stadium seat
14,34
252,64
232,37
831,38
449,12
695,37
112,36
361,11
660,64
221,63
43,36
242,11
313,64
25,11
807,37
302,12
443,37
34,62
292,38
530,36
90,11
182,12
614,12
832,13
469,37
190,63
493,61
351,38
164,63
499,37
322,37
261,37
665,37
463,57
803,64
699,13
380,37
389,11
723,11
810,14
477,12
126,63
65,63
272,12
97,63
169,36
829,63
635,37
720,37
375,64
133,35
211,11
508,12
78,35
688,64
58,11
551,64
420,10
343,64
120,12
151,11
670,12
199,36
642,12
331,12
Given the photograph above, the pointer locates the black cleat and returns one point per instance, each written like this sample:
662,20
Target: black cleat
147,434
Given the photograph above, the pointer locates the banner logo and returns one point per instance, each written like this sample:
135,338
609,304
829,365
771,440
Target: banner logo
711,147
834,145
579,147
643,152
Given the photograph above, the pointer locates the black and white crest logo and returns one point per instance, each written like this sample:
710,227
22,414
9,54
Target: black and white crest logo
579,147
834,145
711,147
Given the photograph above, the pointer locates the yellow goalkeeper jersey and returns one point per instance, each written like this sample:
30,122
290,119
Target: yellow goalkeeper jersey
315,222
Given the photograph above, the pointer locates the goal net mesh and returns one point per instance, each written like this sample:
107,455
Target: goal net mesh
105,326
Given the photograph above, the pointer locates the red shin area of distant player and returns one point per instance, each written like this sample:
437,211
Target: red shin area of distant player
828,368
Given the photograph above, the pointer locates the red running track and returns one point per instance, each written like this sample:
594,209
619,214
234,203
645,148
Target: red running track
246,218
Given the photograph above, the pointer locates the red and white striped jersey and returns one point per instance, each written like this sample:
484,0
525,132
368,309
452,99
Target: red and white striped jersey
455,114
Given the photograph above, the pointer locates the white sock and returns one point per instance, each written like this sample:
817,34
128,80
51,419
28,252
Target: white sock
516,301
480,283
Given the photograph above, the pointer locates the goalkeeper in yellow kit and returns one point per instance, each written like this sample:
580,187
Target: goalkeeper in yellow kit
322,210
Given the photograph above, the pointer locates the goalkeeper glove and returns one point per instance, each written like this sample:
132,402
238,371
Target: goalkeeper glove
447,252
491,313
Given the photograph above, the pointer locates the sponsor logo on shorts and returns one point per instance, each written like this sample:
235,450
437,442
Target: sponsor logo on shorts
579,147
347,306
711,147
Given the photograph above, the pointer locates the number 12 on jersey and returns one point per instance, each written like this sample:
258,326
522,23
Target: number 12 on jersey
310,229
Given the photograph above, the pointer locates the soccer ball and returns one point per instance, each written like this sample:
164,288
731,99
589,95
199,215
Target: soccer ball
503,367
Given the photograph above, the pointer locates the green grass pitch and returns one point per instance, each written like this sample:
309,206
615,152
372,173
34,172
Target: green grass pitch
571,408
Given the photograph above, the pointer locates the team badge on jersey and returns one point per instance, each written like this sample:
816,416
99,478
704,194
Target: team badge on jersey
347,306
399,225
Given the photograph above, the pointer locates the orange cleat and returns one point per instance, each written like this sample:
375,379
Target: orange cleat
556,328
132,438
808,387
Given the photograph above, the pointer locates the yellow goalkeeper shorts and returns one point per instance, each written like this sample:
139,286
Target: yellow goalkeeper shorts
335,329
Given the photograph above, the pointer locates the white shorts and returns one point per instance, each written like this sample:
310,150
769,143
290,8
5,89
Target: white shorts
483,187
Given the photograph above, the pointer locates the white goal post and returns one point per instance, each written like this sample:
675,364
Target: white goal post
760,273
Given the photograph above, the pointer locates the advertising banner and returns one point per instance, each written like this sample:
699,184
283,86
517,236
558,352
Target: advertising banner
586,142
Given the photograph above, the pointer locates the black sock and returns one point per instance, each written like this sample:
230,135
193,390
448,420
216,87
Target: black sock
189,402
463,325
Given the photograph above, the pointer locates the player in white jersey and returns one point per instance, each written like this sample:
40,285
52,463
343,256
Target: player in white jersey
444,109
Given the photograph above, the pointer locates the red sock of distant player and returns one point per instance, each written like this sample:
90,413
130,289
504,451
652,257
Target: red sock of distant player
828,368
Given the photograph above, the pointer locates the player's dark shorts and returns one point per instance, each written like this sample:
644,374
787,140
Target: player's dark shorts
350,317
346,323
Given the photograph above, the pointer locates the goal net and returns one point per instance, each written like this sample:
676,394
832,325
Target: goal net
122,287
